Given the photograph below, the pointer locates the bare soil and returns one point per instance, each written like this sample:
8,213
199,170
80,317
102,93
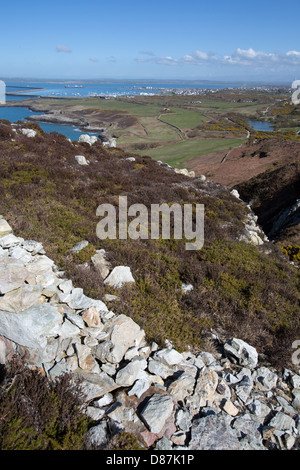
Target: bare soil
244,162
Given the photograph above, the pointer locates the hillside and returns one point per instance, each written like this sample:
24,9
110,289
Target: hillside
274,196
239,289
76,376
247,161
266,175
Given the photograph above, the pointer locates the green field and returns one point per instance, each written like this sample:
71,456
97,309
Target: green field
148,129
178,155
228,107
168,127
183,118
131,108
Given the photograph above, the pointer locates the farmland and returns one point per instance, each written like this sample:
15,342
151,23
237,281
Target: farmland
177,129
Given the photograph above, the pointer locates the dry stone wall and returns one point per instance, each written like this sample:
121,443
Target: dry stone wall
169,400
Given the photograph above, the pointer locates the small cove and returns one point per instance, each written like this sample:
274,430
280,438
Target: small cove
21,113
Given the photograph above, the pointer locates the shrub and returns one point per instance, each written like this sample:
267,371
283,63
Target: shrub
124,441
5,129
38,414
292,252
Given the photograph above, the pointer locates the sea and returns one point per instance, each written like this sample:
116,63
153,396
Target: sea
113,88
22,90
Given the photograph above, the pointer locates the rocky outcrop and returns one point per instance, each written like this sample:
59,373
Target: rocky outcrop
106,139
289,217
5,228
89,139
81,160
253,233
57,118
170,400
29,132
185,172
119,276
274,197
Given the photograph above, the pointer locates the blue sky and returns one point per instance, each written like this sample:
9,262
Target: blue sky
219,40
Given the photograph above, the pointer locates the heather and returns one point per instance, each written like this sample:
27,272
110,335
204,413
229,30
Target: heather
238,289
39,414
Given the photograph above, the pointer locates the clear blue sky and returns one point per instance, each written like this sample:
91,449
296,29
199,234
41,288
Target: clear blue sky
191,39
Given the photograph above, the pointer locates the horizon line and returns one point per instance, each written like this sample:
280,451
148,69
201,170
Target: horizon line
160,80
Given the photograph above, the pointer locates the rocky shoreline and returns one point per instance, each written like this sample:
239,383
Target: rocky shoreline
57,117
231,399
54,117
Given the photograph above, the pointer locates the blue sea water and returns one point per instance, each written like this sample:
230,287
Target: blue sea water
14,114
17,97
71,132
84,89
18,113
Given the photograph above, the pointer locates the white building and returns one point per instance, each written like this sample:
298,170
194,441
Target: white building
2,92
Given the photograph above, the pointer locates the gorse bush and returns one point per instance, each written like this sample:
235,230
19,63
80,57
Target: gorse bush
38,414
292,251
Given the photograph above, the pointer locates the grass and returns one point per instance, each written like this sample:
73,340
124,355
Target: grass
228,106
148,130
183,118
132,108
178,155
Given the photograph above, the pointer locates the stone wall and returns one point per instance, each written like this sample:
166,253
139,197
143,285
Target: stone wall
169,400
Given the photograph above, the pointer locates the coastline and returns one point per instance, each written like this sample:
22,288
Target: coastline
51,115
57,117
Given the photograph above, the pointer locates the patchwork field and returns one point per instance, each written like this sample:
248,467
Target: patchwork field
178,129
